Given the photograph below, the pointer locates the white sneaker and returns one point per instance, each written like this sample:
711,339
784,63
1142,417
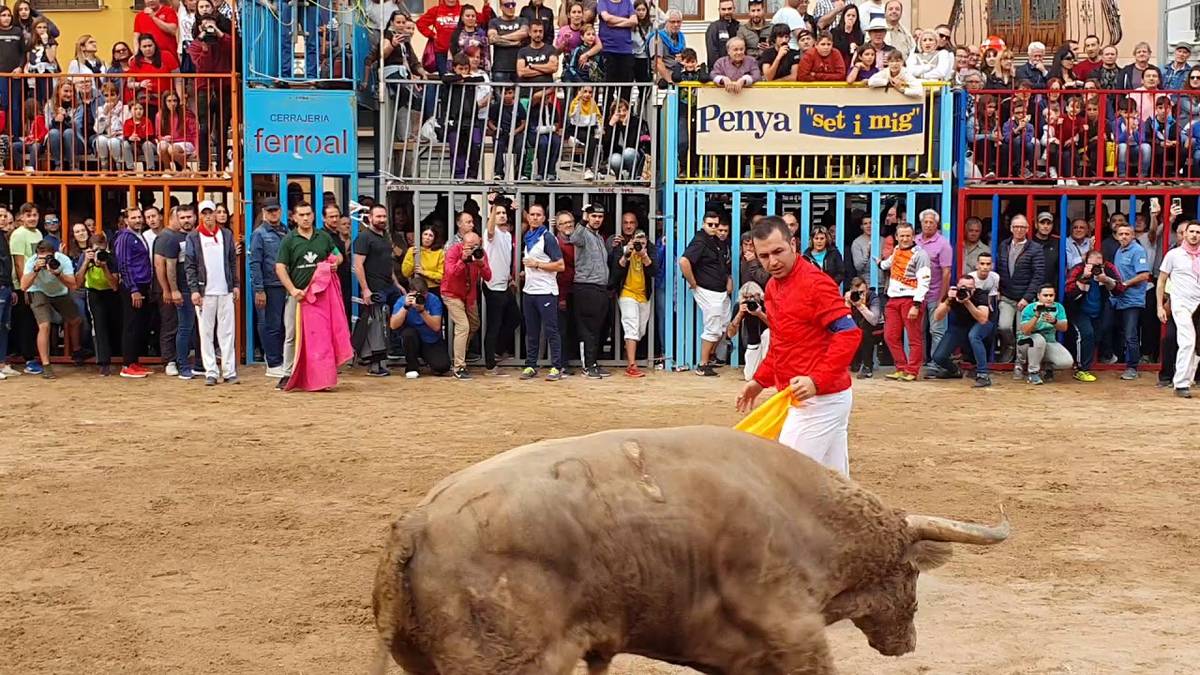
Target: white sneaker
9,371
589,175
3,377
172,370
275,372
412,375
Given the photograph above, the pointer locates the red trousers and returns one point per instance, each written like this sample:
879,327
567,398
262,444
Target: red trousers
895,323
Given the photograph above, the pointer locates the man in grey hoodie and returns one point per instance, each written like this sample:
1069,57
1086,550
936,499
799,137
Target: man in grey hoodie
590,289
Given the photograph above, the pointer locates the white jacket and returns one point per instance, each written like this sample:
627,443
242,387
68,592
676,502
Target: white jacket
912,85
938,66
112,124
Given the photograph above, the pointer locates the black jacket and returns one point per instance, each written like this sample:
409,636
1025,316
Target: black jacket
6,264
618,273
1050,252
834,265
1028,275
1125,79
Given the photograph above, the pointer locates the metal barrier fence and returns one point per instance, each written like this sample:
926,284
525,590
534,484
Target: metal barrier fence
118,125
301,41
552,133
821,121
1079,136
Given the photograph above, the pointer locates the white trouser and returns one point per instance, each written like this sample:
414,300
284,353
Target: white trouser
817,428
714,310
217,313
635,317
1185,336
1041,351
755,355
289,336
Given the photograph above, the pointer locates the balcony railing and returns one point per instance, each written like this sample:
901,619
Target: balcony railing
791,132
117,125
293,42
1019,22
1080,137
565,133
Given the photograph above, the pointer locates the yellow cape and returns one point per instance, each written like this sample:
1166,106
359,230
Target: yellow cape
767,419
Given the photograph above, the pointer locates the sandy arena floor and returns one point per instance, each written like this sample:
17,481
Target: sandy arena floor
236,529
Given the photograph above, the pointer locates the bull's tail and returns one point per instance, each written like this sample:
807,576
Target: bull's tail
392,598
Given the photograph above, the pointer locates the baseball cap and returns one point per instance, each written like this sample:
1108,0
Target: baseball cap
878,23
270,203
1183,45
206,205
1045,215
594,208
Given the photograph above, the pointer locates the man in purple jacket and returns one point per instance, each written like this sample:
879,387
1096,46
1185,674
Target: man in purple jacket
133,266
617,21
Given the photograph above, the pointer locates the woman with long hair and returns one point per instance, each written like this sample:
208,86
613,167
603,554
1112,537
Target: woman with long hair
1004,75
25,15
432,262
929,62
570,34
154,64
26,149
41,58
1189,100
178,134
87,63
96,274
991,58
847,32
1063,68
983,132
642,33
822,253
63,138
470,34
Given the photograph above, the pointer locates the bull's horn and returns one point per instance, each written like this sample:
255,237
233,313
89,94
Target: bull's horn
934,528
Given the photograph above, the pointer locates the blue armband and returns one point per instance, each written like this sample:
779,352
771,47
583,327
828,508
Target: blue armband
842,325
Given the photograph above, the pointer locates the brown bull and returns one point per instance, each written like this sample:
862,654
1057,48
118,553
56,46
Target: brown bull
699,546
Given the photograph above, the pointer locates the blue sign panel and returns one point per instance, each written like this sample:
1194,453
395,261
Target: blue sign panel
300,132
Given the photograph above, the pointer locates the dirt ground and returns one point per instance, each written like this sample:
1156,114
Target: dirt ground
163,527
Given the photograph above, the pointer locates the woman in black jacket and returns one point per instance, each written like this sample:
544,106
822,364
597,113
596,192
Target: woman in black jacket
825,256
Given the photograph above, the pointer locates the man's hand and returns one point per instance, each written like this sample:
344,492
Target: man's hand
529,262
260,299
803,388
1162,314
1022,303
135,299
177,298
733,86
750,392
197,299
299,294
913,312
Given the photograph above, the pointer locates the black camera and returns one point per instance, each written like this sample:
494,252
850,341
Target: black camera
855,296
103,256
751,305
961,294
208,32
1046,309
418,298
638,246
52,262
477,254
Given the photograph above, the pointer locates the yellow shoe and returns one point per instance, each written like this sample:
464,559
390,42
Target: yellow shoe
898,375
1084,376
908,377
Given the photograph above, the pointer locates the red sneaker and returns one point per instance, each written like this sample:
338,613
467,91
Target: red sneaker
133,371
634,371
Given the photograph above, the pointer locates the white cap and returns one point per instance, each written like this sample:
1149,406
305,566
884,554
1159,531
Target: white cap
206,204
878,23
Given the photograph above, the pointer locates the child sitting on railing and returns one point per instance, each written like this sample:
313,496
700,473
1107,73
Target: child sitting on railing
110,129
1126,132
983,132
26,148
896,76
1018,145
583,121
1160,140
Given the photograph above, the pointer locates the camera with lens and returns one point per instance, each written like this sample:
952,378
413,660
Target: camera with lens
208,31
638,246
418,298
855,296
477,254
103,256
962,294
1046,309
751,305
52,262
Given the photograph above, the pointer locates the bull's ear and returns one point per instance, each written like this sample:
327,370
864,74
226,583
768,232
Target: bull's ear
928,555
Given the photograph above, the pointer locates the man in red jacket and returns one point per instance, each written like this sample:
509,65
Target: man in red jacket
813,340
466,264
438,24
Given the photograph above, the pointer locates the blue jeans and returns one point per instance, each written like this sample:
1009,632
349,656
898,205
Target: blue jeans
184,334
309,20
549,147
541,316
1131,325
1085,327
975,338
63,144
6,294
270,325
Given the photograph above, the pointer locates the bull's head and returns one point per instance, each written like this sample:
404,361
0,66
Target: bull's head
884,608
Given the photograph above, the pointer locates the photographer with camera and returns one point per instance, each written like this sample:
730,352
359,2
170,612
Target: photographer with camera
590,287
632,276
866,307
417,318
97,276
1039,323
48,279
466,265
751,322
1090,285
967,311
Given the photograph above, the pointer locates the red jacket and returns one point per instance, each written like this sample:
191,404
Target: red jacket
802,310
461,279
816,68
438,23
144,129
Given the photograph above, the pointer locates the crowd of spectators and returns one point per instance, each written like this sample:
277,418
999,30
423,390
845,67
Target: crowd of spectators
125,113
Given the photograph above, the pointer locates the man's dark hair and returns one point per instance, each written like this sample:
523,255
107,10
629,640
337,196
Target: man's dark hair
763,229
378,206
186,207
689,54
905,225
331,205
711,214
1048,285
984,254
132,209
301,204
418,284
27,207
151,208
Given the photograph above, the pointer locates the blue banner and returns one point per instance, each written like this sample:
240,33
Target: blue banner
300,132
